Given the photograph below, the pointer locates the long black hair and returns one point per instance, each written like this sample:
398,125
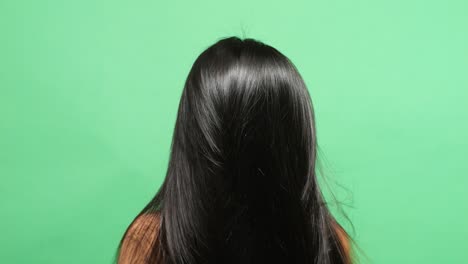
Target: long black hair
241,185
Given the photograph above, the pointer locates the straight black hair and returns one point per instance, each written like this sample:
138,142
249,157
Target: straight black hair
241,185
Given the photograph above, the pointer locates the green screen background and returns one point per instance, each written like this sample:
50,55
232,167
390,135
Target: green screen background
90,89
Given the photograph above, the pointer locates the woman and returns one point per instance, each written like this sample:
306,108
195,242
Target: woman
241,185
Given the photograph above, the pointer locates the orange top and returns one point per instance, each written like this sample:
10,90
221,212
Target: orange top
141,235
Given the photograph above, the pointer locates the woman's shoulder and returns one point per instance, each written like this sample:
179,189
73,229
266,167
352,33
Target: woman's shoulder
151,219
139,238
343,238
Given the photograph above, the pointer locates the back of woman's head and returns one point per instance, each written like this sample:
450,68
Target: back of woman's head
241,184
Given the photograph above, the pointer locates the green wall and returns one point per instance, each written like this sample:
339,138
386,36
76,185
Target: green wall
90,89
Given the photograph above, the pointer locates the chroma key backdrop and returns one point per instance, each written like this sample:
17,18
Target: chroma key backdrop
89,92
